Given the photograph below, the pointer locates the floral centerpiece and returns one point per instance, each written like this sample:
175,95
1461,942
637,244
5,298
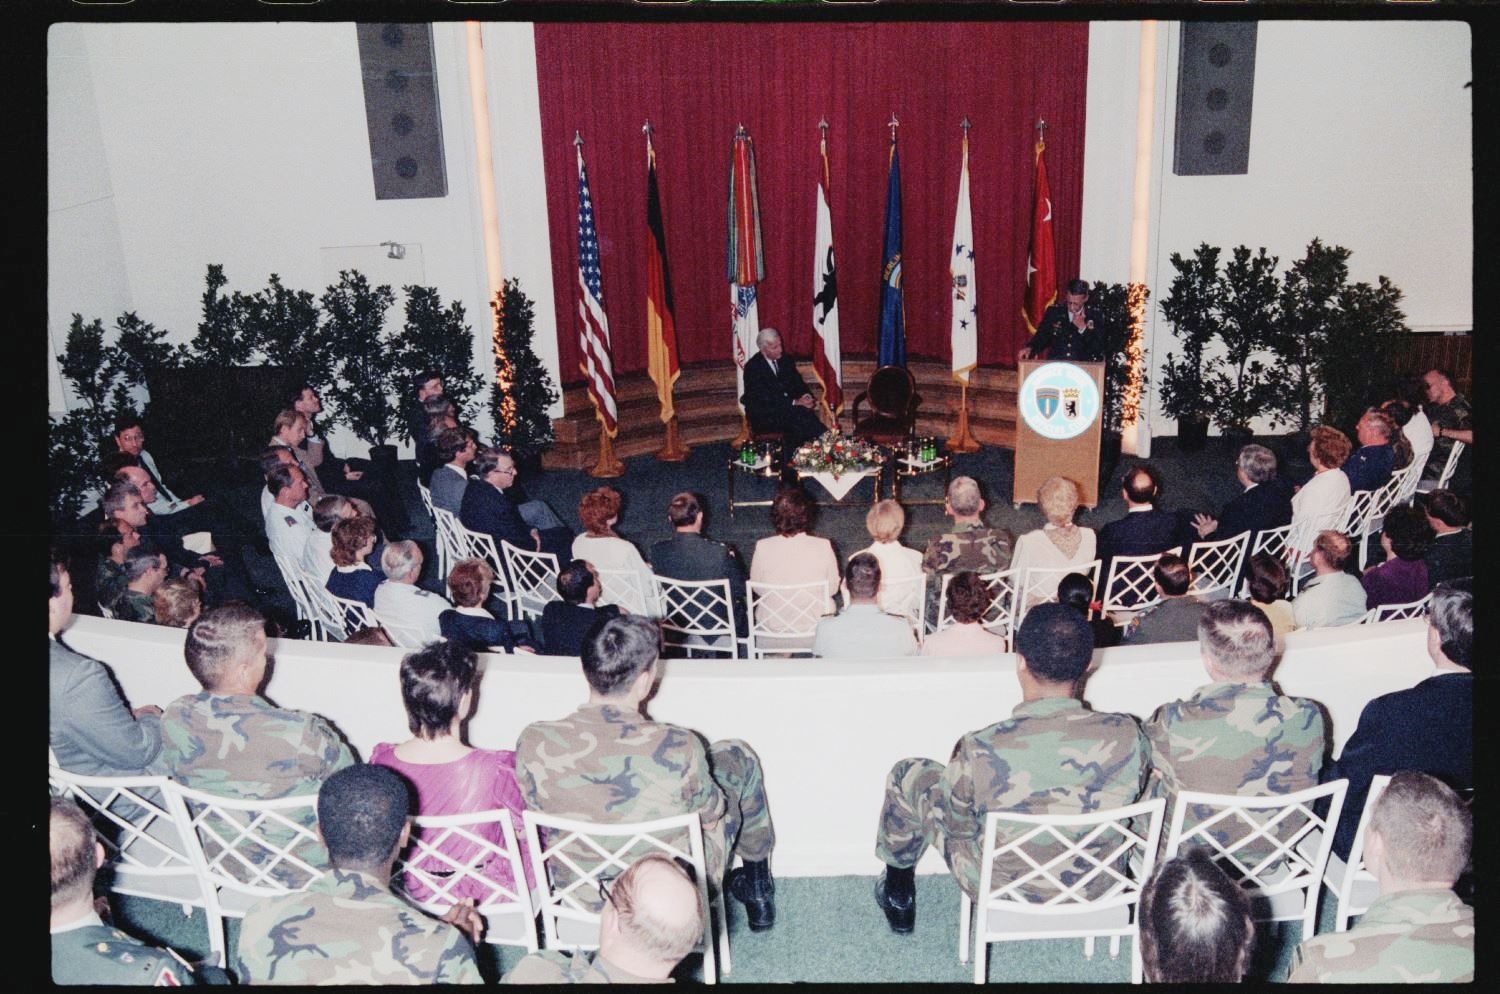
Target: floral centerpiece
837,455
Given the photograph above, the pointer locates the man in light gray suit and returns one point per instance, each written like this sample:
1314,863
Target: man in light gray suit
89,727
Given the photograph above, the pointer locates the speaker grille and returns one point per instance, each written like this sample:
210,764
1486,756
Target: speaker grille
401,111
1215,84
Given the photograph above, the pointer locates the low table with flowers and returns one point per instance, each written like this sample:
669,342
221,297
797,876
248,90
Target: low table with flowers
838,462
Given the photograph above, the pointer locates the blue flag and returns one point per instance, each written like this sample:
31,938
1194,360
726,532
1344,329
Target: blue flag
892,311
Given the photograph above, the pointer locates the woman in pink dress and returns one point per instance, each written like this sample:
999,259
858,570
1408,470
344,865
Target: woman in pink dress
447,776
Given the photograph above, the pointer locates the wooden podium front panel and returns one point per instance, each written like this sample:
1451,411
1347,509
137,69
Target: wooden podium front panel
1039,457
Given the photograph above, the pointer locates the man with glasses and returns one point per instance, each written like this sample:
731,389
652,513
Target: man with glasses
489,510
652,918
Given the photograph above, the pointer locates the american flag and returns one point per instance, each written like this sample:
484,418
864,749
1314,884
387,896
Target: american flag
593,326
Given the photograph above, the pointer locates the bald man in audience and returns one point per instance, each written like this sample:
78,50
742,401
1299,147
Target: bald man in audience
1331,597
400,602
652,918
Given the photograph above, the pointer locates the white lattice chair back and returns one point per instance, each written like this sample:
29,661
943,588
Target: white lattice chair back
142,836
445,536
906,597
1371,517
698,615
1275,847
291,575
324,607
1301,534
533,577
426,493
1131,585
405,636
356,615
247,850
998,614
1397,612
1441,483
1412,476
1089,867
435,881
468,544
1040,584
1353,886
569,859
783,617
625,588
1216,565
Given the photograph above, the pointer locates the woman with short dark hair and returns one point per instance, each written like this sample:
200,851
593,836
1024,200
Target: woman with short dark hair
792,556
1270,581
1402,578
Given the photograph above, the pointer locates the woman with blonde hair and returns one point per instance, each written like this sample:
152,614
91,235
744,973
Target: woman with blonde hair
1058,545
900,567
599,511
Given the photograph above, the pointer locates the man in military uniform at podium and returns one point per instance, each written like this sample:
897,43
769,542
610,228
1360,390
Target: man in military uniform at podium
1069,331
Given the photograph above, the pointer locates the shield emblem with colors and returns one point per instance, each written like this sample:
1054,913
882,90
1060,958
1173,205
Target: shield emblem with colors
1047,399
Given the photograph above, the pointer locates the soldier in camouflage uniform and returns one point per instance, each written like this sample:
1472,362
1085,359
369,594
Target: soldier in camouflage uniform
1235,735
971,545
1417,931
653,918
1452,420
347,927
84,949
606,762
1052,756
230,741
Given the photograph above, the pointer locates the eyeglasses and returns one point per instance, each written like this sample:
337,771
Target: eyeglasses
507,472
605,883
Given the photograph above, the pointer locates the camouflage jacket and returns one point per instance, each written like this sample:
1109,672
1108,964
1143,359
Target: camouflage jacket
1051,756
348,928
552,967
605,764
1414,936
976,547
1457,413
99,954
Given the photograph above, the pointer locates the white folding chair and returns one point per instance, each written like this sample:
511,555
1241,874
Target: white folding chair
1131,586
1367,510
624,587
1409,482
906,597
1297,543
142,835
1275,847
405,636
533,578
445,537
466,544
1040,579
1352,886
1397,612
426,493
324,607
698,616
247,850
1096,850
1441,483
570,859
452,857
293,576
355,614
999,613
783,617
1216,566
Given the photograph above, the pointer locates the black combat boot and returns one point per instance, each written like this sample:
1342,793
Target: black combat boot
897,897
752,885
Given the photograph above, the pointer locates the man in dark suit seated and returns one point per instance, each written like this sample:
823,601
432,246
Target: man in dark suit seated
776,398
1426,728
486,508
1144,529
1369,467
1067,331
1266,502
1451,554
425,384
358,478
687,555
565,623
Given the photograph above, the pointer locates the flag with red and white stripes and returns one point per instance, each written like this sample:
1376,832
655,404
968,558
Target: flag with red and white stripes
593,326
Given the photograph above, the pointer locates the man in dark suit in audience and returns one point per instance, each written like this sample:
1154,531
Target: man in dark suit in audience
486,508
427,383
566,622
688,555
1426,728
1451,554
1265,502
358,478
1144,529
776,398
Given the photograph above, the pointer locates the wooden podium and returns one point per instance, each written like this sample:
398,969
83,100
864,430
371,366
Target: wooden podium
1059,402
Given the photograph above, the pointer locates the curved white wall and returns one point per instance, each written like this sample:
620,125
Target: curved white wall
827,731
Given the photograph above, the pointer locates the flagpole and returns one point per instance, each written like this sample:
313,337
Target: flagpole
830,419
963,440
672,449
608,465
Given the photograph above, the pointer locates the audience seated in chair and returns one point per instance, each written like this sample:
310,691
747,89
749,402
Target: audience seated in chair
289,521
425,384
776,399
399,601
599,511
456,447
1076,591
440,415
653,918
1402,578
317,556
971,545
900,567
349,927
488,509
565,623
468,622
123,503
1264,502
1144,530
690,555
1195,923
1174,618
289,431
90,730
1426,727
608,762
1059,543
1452,418
177,603
968,598
1318,501
357,479
1331,596
1451,554
1369,466
144,572
793,556
1269,582
1417,931
448,776
115,539
1025,763
352,577
84,949
862,630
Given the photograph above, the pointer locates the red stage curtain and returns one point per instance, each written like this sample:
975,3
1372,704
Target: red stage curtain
696,82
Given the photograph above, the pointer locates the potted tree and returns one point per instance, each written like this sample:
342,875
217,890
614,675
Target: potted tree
364,374
1241,386
438,337
1190,305
1111,301
523,390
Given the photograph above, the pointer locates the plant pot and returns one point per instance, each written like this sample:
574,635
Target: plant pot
1192,434
1235,436
383,458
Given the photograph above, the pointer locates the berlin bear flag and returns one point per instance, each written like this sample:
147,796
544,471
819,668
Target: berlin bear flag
825,361
964,333
593,326
747,266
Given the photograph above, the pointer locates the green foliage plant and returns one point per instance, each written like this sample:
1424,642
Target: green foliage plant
1191,305
1239,383
1111,302
530,390
364,378
439,338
